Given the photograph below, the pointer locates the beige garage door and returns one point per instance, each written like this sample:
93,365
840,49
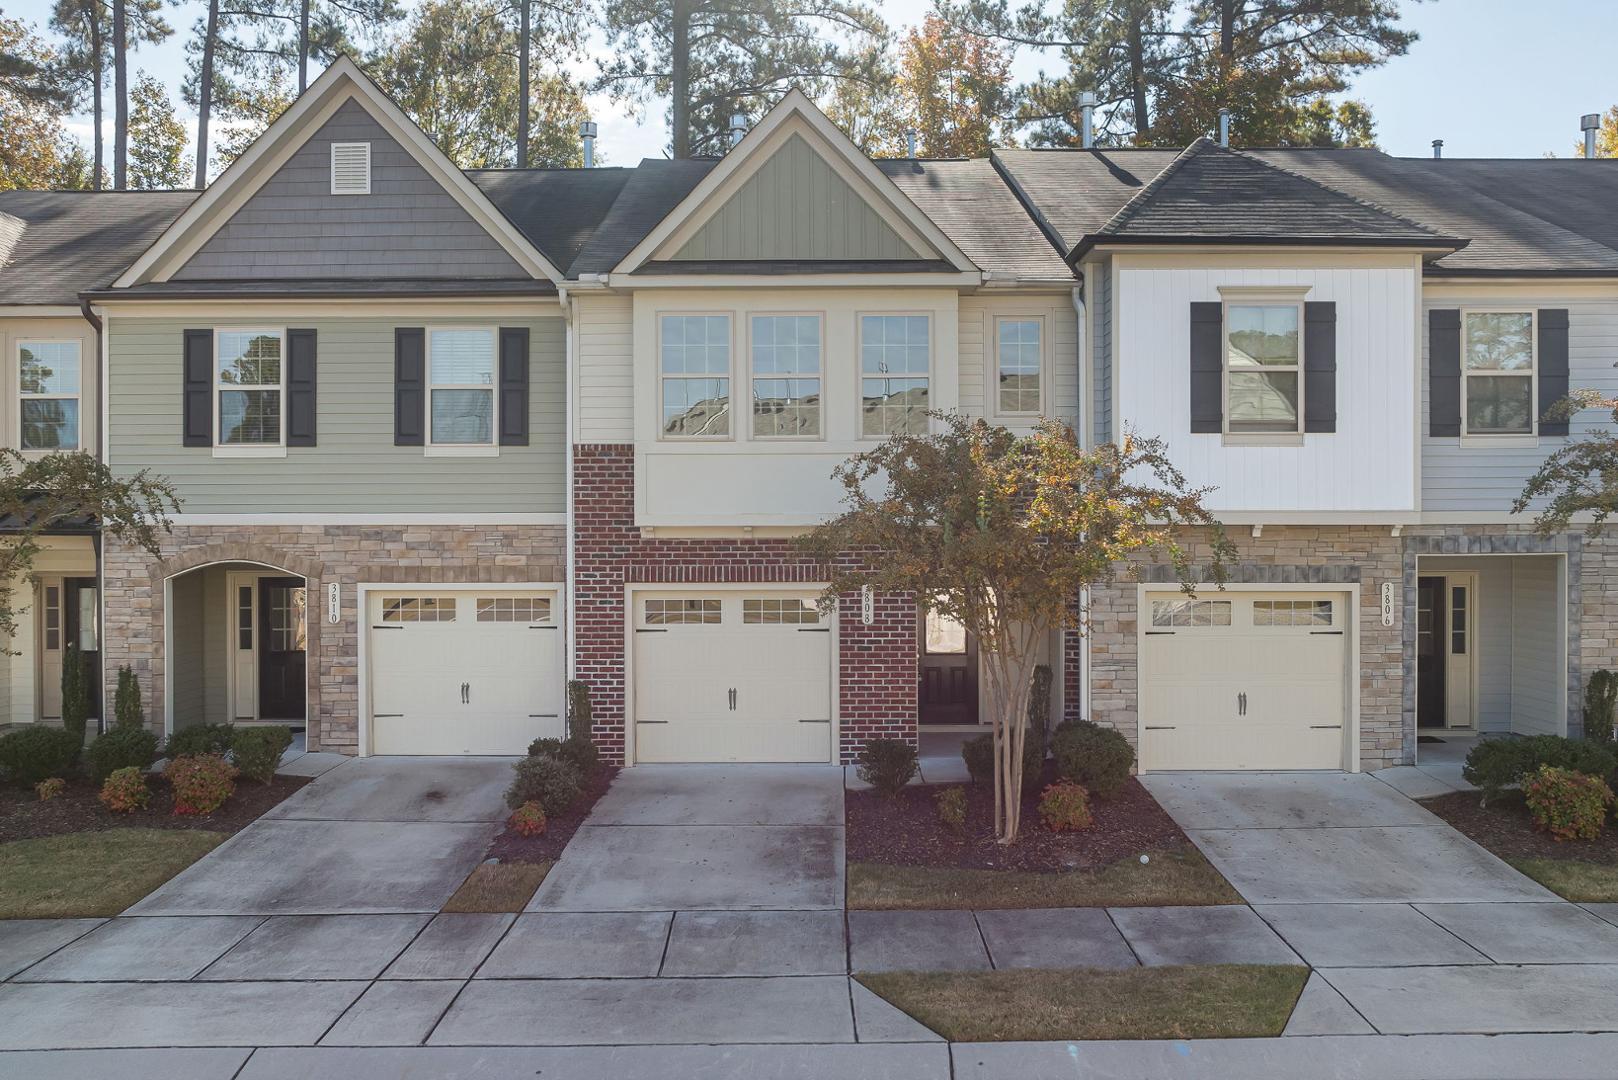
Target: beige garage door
732,676
464,672
1244,680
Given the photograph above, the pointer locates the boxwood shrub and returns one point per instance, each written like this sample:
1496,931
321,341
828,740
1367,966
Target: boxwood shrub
1095,757
38,752
120,748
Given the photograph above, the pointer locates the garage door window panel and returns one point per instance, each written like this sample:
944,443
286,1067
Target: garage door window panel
694,612
522,609
418,609
771,611
1182,614
1304,613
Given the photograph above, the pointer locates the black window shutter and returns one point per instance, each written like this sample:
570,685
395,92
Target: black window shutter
197,392
409,386
513,386
1444,372
1320,366
1207,367
300,388
1552,361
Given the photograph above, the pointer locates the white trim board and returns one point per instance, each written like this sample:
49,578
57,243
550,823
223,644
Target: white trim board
470,518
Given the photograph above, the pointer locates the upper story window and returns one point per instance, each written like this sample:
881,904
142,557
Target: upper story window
49,381
1019,352
786,376
895,361
1263,368
249,387
461,397
1497,368
694,375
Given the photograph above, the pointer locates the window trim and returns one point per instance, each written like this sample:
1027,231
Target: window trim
991,367
1503,438
859,366
228,450
1229,298
752,376
437,449
21,342
729,376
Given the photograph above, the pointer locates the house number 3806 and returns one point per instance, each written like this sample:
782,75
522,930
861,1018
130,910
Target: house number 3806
1387,603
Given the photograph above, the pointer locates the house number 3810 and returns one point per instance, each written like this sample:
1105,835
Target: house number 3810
1387,603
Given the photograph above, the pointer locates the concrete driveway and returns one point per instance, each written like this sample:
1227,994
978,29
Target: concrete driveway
373,836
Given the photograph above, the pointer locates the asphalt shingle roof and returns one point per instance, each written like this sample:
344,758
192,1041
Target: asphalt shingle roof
656,188
1078,191
558,210
972,204
56,244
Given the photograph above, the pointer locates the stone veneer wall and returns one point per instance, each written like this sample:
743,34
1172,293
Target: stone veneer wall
448,554
877,663
1295,557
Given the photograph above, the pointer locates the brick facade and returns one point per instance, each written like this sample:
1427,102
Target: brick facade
347,554
876,696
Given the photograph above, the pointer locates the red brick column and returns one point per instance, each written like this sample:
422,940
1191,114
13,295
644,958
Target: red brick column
877,663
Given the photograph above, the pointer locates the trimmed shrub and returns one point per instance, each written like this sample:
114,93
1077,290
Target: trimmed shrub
257,750
978,753
549,781
579,718
127,710
1039,707
576,750
1569,805
1065,807
202,782
1600,701
38,752
1496,764
887,765
1096,757
1033,762
125,791
50,789
118,748
200,739
75,691
951,803
527,820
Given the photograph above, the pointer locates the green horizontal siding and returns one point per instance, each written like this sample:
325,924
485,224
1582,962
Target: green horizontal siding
355,468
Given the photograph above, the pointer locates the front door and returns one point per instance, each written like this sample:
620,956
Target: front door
83,623
1430,652
949,672
283,629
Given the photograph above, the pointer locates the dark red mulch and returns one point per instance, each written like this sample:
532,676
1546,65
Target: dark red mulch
548,845
1505,828
906,831
23,816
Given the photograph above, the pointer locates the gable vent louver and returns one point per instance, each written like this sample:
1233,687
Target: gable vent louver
351,168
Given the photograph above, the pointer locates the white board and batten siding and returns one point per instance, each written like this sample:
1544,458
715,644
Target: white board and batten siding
1368,464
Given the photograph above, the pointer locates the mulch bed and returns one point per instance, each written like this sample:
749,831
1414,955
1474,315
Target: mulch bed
23,816
548,845
1505,828
905,831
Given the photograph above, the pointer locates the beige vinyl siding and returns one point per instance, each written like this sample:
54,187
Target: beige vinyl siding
187,619
977,345
605,409
796,206
355,468
13,332
59,556
216,610
1538,673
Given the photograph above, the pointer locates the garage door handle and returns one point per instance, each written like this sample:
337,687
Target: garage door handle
542,716
651,630
733,699
1160,727
1150,633
395,627
384,715
1328,633
1325,727
814,629
542,628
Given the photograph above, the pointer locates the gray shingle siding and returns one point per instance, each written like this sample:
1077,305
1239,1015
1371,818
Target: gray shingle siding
293,227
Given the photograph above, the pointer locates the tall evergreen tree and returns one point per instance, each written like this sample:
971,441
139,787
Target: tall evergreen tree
35,148
86,28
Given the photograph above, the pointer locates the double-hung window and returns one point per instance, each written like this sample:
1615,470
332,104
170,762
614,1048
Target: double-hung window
895,362
250,388
1497,368
1019,360
1263,368
461,397
49,384
786,376
694,376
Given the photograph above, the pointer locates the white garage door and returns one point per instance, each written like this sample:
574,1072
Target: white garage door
470,672
1244,680
732,676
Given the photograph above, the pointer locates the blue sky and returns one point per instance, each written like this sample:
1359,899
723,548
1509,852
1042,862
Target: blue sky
1492,78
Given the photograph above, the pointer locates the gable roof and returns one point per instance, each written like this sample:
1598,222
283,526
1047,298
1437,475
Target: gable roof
1076,192
340,83
971,201
656,188
559,210
56,244
1212,194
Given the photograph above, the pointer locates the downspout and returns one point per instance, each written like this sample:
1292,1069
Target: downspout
569,319
100,383
1080,315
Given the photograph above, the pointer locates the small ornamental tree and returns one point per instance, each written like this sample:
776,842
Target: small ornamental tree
1000,532
75,691
1579,479
126,705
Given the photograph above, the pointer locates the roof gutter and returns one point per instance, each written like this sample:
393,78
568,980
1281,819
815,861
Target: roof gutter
1436,246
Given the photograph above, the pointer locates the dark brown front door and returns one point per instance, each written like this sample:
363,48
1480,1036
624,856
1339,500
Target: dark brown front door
1430,638
949,672
82,618
283,627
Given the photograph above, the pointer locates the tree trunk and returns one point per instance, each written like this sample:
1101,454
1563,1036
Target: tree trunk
1007,653
92,11
680,80
303,47
1137,76
205,92
120,95
524,30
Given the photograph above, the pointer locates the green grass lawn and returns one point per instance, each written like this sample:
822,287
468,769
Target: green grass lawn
86,874
1573,879
1169,878
499,887
1213,1002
